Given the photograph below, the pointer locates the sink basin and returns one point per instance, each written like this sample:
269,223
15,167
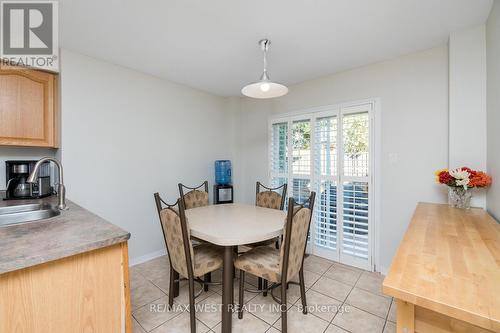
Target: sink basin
26,213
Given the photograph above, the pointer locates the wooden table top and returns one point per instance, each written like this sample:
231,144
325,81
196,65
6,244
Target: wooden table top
235,224
449,262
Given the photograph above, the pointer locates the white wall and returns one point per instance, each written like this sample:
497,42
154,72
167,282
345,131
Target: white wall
493,106
232,106
127,135
468,103
414,120
20,153
253,140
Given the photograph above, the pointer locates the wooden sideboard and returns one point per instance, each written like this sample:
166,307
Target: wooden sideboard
445,276
28,107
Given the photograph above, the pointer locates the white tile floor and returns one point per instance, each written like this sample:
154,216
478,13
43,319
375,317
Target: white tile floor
340,298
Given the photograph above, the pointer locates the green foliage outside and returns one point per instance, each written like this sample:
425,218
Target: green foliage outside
356,137
301,135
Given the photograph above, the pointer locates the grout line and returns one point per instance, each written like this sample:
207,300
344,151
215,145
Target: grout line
343,303
261,320
356,307
387,315
321,275
140,307
138,323
157,286
383,328
269,328
167,321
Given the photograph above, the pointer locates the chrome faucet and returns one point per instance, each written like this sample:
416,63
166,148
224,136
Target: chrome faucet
61,190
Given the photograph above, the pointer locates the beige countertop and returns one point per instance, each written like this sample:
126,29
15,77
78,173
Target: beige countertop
74,231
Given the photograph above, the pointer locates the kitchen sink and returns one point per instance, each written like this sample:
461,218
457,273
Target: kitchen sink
26,213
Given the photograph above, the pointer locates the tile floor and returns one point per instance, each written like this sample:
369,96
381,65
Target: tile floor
340,299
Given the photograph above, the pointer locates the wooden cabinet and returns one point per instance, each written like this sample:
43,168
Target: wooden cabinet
28,108
87,292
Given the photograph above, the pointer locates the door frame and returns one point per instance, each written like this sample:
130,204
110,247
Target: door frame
375,166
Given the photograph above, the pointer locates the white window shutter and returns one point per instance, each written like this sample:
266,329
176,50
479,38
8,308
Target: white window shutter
329,152
325,162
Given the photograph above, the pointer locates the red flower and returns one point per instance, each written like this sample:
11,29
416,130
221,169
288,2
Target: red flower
469,170
444,177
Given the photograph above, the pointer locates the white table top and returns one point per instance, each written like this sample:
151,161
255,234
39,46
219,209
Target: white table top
235,224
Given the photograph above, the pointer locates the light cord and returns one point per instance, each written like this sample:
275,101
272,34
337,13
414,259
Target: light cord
265,59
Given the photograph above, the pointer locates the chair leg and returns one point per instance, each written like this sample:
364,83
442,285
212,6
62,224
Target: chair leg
284,309
265,288
207,278
241,295
235,251
259,283
176,283
192,313
171,288
302,291
277,244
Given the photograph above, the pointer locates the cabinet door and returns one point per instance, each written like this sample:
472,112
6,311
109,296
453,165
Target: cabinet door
86,292
27,108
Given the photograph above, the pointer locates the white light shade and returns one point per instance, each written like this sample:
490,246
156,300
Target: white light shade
264,89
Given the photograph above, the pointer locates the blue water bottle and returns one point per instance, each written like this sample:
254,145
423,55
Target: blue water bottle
223,172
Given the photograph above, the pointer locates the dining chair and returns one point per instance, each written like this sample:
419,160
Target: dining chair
273,198
281,266
194,197
185,260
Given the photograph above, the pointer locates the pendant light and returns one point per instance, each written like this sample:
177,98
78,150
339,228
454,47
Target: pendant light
264,88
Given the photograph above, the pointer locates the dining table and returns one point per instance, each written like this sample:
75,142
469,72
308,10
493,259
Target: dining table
229,226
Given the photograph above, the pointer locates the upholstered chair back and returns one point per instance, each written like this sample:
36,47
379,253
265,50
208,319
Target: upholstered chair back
195,197
273,198
176,235
173,234
269,199
297,225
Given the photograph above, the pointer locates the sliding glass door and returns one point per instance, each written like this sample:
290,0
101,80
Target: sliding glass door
330,152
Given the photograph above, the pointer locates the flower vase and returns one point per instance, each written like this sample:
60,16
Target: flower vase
459,197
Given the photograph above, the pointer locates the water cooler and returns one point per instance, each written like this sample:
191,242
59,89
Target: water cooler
223,189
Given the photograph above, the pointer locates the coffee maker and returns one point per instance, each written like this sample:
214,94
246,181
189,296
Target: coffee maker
17,173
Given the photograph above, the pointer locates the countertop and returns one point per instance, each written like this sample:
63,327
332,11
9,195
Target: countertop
449,262
74,231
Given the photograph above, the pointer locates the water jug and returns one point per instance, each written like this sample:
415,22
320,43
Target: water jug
223,172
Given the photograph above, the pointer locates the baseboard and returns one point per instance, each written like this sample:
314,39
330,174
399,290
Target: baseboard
147,257
384,270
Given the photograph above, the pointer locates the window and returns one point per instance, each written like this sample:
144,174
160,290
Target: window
279,154
325,157
330,152
301,160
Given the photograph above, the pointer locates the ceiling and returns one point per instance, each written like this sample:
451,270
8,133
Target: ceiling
212,44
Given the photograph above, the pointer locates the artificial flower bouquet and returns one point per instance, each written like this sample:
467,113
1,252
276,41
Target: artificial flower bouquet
459,181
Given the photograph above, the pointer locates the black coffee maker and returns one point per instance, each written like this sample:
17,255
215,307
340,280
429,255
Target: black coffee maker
17,173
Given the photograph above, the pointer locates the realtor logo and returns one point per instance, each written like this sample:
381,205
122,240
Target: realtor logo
29,33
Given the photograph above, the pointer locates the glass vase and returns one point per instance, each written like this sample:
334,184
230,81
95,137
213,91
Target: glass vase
459,197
